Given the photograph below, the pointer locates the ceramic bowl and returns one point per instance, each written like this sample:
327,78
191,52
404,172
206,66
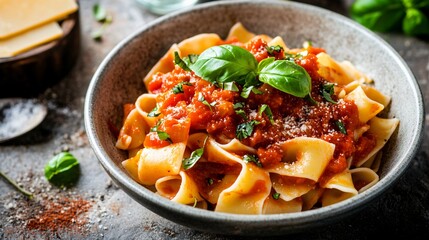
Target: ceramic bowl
118,80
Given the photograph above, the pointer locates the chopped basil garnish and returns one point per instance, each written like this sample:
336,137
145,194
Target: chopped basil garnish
189,162
327,91
247,90
276,195
231,86
241,113
274,49
341,126
210,181
229,63
238,105
62,169
161,134
204,101
179,87
245,130
154,112
264,108
252,158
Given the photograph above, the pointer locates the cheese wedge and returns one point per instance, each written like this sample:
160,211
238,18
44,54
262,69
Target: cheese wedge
15,45
18,16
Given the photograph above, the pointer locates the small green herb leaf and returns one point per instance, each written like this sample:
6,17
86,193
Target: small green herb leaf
276,195
247,90
164,136
285,76
179,87
226,63
189,162
154,112
252,158
178,61
272,50
99,12
264,108
245,130
238,105
327,91
210,181
161,134
241,113
341,127
230,86
62,169
204,101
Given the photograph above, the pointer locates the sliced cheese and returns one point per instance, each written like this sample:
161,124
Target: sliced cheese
18,16
12,46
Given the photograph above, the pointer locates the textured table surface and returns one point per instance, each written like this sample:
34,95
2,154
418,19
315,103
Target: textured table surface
403,211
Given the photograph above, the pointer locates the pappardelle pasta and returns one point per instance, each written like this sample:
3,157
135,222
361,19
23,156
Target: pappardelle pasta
247,125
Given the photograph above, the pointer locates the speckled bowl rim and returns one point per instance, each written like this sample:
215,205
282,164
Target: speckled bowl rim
285,223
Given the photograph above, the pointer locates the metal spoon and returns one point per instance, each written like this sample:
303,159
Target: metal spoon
19,116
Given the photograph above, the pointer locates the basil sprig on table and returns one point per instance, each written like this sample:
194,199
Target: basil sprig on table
412,16
63,169
228,63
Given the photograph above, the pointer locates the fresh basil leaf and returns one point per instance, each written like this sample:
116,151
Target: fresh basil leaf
178,61
252,158
378,15
245,130
285,76
341,126
179,87
327,91
154,112
189,162
415,23
226,63
62,169
264,108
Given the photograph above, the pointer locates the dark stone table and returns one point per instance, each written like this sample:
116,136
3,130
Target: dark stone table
402,212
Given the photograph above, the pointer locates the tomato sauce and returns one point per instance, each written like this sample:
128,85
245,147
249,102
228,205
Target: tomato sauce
211,109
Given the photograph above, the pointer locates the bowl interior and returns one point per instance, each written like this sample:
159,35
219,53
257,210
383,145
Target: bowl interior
119,80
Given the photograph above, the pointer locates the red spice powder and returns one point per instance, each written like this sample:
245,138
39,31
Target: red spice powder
63,213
